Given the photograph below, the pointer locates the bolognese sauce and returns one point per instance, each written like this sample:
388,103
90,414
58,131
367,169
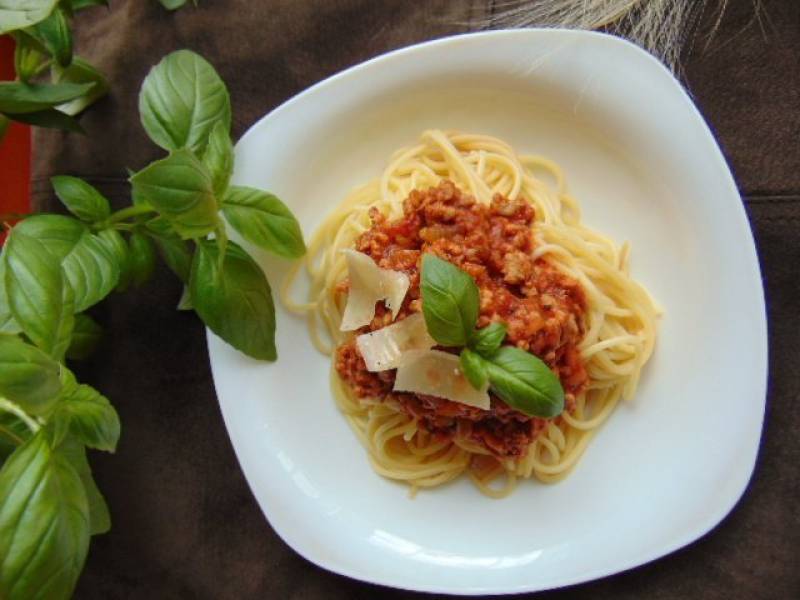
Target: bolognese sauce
542,308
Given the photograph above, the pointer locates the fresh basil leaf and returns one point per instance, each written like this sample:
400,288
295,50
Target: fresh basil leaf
54,33
525,383
185,301
160,227
119,249
59,233
91,271
181,99
18,14
180,189
50,119
262,219
89,267
40,298
218,157
488,339
80,198
473,368
7,322
44,523
30,56
13,432
176,255
172,4
68,382
79,71
19,98
142,258
85,336
75,453
237,303
82,4
91,418
221,238
28,376
450,301
4,123
173,250
137,197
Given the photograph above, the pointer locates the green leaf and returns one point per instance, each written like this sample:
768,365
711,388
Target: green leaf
91,271
450,301
18,14
142,258
50,119
524,382
30,56
28,376
4,123
54,33
173,250
172,4
262,219
180,189
59,233
185,301
80,198
473,368
119,249
19,98
82,4
75,453
7,322
488,339
237,303
85,337
176,255
181,99
218,157
13,433
91,418
40,298
89,266
221,237
44,523
82,72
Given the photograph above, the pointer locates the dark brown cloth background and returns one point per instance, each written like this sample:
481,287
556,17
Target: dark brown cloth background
184,522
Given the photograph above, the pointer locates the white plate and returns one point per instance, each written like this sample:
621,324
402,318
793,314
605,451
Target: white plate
645,167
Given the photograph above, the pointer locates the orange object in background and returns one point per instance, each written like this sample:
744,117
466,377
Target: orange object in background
15,148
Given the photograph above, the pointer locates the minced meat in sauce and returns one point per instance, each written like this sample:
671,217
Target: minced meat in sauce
542,308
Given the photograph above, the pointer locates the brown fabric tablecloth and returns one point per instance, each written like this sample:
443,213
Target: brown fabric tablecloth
184,522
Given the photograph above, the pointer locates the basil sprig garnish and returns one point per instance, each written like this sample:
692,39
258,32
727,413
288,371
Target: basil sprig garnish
450,305
55,267
53,85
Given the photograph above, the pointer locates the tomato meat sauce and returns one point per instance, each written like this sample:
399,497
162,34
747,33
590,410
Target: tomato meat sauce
542,308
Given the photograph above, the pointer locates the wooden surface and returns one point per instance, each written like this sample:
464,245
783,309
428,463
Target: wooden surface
184,522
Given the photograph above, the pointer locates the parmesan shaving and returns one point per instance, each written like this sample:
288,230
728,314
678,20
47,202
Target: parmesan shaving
387,347
370,284
437,373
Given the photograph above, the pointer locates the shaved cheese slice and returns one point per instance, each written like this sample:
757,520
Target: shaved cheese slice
437,373
386,348
370,284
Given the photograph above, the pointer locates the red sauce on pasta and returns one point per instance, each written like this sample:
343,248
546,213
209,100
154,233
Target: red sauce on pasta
542,307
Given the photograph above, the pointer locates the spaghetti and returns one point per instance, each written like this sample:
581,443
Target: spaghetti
617,329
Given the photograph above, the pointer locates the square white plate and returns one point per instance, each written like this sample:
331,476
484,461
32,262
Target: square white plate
645,168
